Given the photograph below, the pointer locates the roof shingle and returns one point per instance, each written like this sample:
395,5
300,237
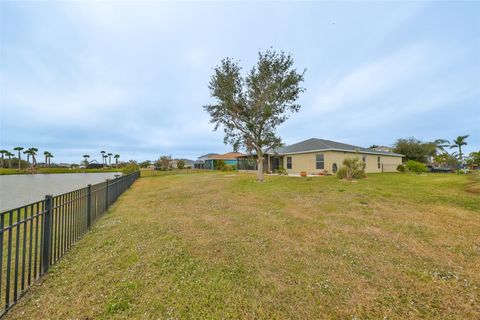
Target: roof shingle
315,144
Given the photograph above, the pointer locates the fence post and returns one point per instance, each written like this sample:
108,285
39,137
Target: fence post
47,233
106,194
89,206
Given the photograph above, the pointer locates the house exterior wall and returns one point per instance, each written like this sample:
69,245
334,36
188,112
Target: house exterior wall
307,162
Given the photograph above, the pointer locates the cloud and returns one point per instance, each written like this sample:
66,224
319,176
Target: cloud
371,80
80,77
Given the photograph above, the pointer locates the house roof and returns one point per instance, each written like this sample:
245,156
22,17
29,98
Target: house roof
187,161
314,144
226,156
206,156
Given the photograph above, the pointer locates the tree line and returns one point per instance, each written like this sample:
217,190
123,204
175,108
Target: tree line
105,155
30,153
436,152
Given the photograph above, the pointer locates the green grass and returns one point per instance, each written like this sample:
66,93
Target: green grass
222,246
155,173
6,171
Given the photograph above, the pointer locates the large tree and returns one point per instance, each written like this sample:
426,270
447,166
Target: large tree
458,143
251,107
164,162
3,153
416,150
441,145
474,159
103,157
48,156
19,149
85,161
116,156
9,155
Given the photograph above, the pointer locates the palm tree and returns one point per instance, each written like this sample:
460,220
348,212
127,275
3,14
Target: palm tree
3,152
33,152
116,160
47,155
441,144
86,156
19,156
28,153
105,160
50,156
458,143
103,157
110,158
9,155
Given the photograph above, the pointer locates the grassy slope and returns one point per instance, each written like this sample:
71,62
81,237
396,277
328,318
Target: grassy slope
221,246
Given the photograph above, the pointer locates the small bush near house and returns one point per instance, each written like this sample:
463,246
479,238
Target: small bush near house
352,168
180,164
416,167
219,165
401,168
228,167
281,172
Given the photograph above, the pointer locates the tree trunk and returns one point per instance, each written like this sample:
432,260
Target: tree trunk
19,161
259,166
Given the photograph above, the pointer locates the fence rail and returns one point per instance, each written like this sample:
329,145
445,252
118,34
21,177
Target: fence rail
35,236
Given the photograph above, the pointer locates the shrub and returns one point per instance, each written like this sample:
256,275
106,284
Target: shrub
130,168
164,163
342,173
415,166
228,167
281,172
352,168
180,164
219,165
401,168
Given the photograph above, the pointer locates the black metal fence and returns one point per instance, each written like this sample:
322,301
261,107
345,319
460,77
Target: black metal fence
35,236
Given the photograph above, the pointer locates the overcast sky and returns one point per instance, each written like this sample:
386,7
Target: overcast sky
131,78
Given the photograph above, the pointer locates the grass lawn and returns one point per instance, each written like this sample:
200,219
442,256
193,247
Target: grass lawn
215,246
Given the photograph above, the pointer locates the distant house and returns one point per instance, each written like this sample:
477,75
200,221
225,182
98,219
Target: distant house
315,156
188,163
229,158
383,148
199,163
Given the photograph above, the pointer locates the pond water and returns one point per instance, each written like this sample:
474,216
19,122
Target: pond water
20,189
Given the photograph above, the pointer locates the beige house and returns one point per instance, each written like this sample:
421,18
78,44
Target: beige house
315,156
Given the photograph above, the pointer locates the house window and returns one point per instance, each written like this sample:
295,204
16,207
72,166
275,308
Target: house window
320,161
364,159
289,162
378,162
334,168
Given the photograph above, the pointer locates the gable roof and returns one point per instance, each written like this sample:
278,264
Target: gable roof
206,156
314,144
226,156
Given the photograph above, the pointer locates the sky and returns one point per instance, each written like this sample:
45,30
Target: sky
132,77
